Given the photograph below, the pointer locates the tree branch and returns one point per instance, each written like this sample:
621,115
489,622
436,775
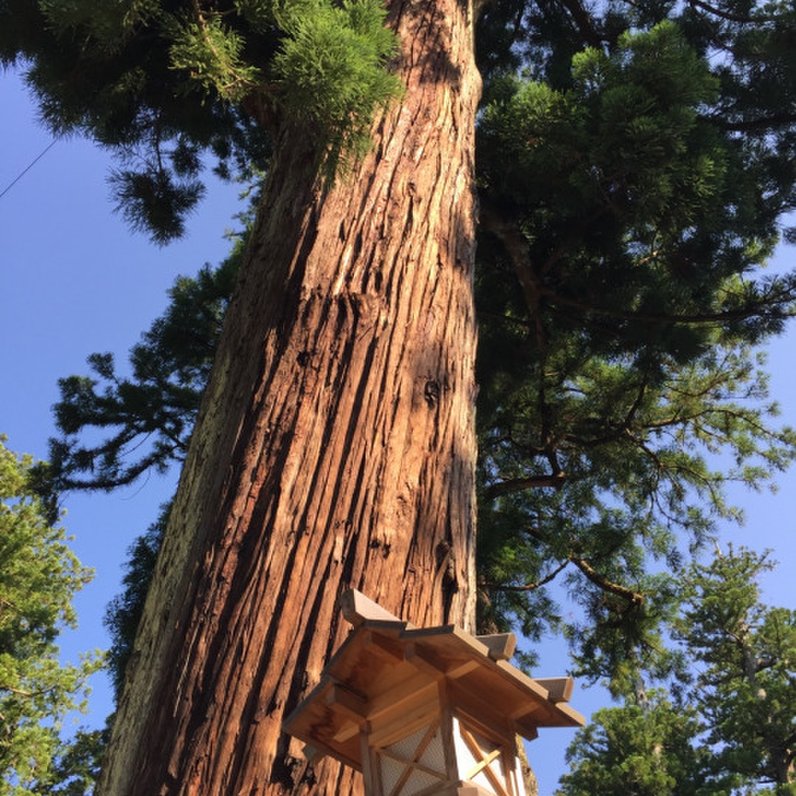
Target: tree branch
730,17
584,23
740,314
633,597
554,480
516,247
24,693
761,124
529,586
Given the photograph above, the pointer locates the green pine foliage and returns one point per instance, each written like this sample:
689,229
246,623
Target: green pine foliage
622,227
148,415
331,70
728,726
169,87
746,656
39,575
643,750
211,54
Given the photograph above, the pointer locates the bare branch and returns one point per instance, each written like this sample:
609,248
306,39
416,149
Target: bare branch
761,124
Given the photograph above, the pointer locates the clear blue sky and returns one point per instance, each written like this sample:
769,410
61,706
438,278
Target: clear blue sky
75,280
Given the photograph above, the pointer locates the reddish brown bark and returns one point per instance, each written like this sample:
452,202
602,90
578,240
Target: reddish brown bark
335,446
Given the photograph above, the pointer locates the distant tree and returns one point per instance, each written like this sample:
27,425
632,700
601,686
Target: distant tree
76,765
39,575
646,749
744,655
728,727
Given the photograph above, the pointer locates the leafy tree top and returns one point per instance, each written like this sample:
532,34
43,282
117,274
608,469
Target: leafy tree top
39,575
641,750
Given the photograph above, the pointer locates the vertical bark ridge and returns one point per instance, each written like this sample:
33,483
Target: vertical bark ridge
335,446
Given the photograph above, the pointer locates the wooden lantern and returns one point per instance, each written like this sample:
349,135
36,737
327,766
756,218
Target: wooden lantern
426,710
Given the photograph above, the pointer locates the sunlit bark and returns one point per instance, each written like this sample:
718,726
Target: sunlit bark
335,446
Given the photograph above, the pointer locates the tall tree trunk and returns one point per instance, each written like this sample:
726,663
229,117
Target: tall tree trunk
335,446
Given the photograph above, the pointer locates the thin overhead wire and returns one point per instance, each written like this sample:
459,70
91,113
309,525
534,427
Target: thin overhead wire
28,167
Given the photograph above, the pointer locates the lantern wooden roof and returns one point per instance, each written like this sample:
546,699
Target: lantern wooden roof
388,675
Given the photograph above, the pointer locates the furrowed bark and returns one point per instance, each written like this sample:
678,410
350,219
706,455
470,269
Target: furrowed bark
335,446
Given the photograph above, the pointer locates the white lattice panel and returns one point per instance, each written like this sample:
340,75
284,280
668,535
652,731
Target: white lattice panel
391,771
434,755
418,781
412,764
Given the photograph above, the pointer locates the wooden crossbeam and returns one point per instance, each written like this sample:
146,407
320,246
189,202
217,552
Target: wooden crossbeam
485,761
478,754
